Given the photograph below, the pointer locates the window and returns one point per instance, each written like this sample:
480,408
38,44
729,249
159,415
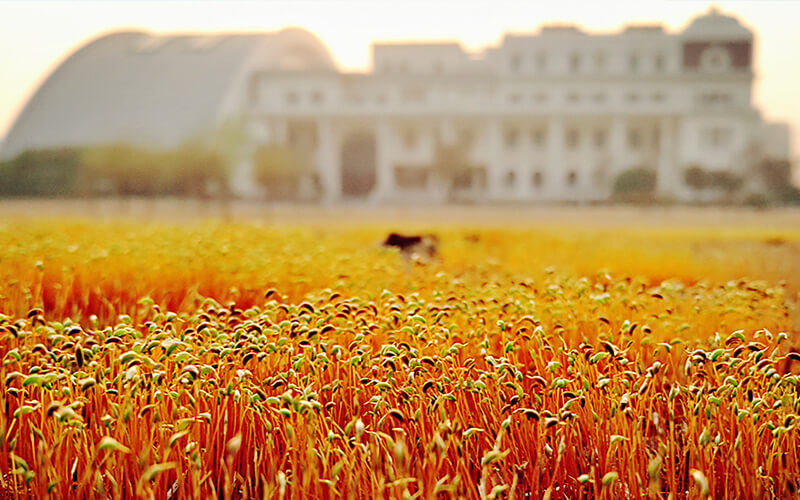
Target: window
538,136
474,178
511,136
572,139
658,63
600,62
658,97
714,99
537,179
410,139
514,97
291,98
515,63
575,63
633,63
634,138
438,67
715,59
716,138
414,94
632,97
572,178
573,97
407,177
510,179
541,62
599,97
466,138
540,97
353,98
317,97
599,139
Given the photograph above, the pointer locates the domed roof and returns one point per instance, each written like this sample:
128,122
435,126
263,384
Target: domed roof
155,90
716,26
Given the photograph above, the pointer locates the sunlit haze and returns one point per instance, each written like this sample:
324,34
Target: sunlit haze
36,35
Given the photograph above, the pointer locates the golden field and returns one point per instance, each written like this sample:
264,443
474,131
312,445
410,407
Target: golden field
286,357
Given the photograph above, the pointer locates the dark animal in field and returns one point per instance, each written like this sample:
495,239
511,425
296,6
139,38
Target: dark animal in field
421,248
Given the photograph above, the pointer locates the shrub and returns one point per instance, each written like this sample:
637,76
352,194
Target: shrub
44,172
636,184
128,169
278,168
194,171
696,177
725,180
776,175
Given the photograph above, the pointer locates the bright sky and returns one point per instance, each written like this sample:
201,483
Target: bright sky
36,35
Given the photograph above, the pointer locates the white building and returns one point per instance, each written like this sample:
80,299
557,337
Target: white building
554,115
551,115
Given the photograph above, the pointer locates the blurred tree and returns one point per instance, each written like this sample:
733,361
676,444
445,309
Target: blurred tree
196,171
776,175
450,166
43,172
279,169
727,181
126,169
636,184
696,177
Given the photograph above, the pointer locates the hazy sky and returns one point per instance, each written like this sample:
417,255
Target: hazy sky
36,35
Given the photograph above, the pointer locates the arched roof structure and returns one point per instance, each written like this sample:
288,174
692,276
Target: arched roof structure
154,90
715,25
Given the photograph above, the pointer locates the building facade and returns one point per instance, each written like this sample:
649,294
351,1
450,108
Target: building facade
555,115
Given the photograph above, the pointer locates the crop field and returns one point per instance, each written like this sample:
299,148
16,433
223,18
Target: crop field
202,359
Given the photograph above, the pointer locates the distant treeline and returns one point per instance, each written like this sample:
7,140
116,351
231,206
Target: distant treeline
116,169
194,170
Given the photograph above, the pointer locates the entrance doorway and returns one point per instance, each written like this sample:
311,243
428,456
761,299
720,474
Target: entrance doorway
359,170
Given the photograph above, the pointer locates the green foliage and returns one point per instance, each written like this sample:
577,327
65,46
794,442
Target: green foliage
46,172
776,175
451,166
119,169
450,161
279,169
727,181
696,177
194,171
636,184
128,170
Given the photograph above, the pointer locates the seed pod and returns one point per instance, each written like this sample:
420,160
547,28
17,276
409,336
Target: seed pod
79,355
397,414
531,414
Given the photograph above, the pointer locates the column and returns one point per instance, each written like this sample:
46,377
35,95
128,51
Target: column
617,145
384,185
279,131
555,172
242,180
328,161
447,132
494,158
666,153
